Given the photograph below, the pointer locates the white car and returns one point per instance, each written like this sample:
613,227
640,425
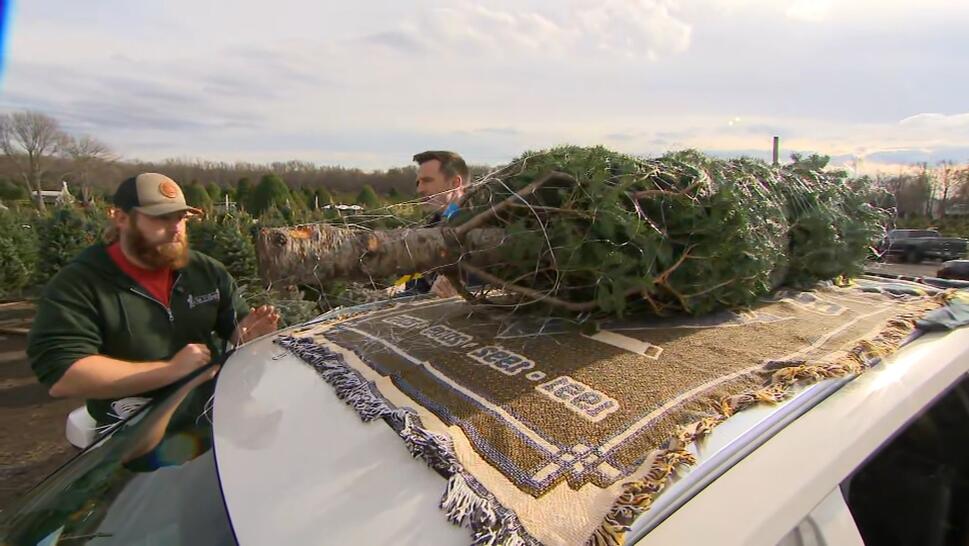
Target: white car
274,457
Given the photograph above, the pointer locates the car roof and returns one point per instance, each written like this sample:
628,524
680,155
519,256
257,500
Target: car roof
294,459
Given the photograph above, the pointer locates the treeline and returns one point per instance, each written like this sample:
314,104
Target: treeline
933,192
271,191
38,154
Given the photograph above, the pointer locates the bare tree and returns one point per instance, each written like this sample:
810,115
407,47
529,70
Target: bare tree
31,139
924,184
946,181
961,194
86,152
891,184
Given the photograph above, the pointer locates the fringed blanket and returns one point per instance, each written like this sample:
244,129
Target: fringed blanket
550,435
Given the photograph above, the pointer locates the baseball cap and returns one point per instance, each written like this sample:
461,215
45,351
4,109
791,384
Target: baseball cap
152,194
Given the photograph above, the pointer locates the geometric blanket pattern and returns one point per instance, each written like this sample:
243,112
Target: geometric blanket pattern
570,435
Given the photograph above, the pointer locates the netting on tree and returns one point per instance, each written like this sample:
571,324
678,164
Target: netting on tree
589,230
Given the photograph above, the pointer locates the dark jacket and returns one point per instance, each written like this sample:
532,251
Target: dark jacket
421,283
91,307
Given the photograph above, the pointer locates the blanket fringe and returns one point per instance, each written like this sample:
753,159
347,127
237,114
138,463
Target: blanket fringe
465,502
638,496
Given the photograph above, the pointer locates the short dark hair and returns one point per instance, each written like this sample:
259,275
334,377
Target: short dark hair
452,164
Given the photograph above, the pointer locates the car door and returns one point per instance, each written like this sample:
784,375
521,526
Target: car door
915,488
828,524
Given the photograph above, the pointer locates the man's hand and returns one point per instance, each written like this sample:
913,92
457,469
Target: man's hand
442,287
258,322
395,290
192,357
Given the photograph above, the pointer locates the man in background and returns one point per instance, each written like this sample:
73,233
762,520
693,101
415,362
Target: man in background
442,178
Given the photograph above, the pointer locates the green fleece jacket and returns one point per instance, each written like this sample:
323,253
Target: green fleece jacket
91,307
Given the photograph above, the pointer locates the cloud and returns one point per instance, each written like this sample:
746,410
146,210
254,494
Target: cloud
633,28
937,121
110,102
499,131
911,156
813,11
622,137
293,64
630,28
401,41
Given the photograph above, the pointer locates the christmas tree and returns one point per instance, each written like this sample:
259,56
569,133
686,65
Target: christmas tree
63,234
18,246
586,229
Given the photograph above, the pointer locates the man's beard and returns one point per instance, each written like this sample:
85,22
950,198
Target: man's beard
157,256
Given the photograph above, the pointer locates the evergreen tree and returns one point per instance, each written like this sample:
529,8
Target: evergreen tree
10,191
18,246
214,191
227,238
196,196
243,192
322,197
63,234
297,201
270,191
239,252
201,235
307,194
367,198
272,217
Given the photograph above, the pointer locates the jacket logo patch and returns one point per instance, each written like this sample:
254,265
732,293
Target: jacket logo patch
199,300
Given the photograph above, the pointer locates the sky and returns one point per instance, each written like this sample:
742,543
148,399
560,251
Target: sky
876,84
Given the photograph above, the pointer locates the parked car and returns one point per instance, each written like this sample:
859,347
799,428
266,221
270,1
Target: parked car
954,269
916,245
878,459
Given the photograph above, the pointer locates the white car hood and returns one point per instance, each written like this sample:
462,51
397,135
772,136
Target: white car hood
298,466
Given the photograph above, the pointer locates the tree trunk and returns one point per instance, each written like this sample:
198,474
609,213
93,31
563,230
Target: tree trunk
315,253
35,181
34,194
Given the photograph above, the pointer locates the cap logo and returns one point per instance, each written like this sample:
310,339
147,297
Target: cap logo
168,189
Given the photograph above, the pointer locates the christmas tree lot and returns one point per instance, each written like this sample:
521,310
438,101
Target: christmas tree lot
589,230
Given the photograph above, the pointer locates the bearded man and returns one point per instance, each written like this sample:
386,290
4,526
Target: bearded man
135,314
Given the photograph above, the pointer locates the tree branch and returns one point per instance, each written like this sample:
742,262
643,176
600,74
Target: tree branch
488,215
535,295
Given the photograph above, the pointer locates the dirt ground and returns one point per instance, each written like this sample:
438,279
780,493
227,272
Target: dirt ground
32,442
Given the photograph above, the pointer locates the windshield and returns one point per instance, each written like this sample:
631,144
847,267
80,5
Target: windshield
152,482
